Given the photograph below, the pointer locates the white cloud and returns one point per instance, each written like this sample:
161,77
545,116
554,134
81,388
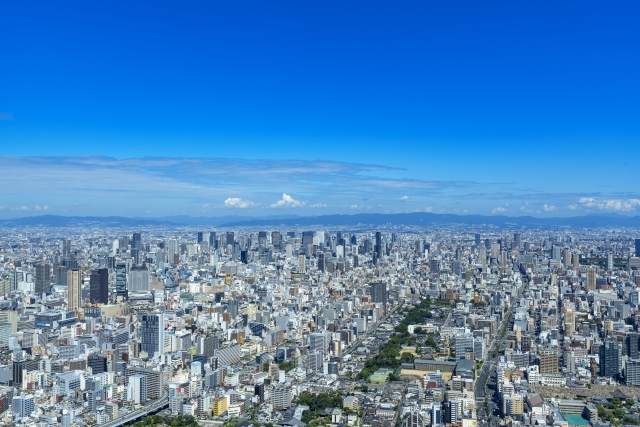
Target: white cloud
403,198
549,208
319,205
355,207
572,207
428,209
238,203
288,202
615,205
499,209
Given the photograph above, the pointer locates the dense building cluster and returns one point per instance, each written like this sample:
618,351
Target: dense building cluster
400,325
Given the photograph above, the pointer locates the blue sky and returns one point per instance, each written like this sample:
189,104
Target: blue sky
263,108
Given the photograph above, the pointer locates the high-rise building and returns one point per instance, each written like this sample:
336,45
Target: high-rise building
591,279
436,414
66,248
609,261
200,238
136,242
152,333
230,238
632,371
43,278
23,405
637,247
97,363
139,281
121,279
213,241
549,362
74,289
610,359
379,293
173,250
99,286
137,388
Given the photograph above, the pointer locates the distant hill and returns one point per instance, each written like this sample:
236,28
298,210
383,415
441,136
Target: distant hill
375,220
77,221
429,219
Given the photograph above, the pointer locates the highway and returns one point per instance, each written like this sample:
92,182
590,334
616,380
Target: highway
151,409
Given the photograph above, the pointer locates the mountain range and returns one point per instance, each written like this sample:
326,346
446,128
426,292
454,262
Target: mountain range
362,219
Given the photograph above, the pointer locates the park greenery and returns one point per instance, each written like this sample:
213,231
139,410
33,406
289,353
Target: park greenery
318,402
157,420
615,412
390,355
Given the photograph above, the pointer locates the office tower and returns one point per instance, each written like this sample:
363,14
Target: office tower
22,405
477,239
121,280
213,241
200,237
464,345
556,253
632,371
66,248
136,256
633,344
97,363
136,242
569,322
152,333
637,247
138,388
232,308
173,250
302,263
610,359
74,289
566,258
436,414
549,362
379,294
610,261
230,238
61,275
276,239
43,278
321,261
591,279
517,241
139,280
99,286
18,368
259,391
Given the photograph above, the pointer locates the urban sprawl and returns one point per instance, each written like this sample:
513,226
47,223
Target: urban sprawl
445,326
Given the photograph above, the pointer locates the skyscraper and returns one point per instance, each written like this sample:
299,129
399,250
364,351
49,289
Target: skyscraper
74,289
43,278
379,294
610,359
200,237
152,333
591,279
173,251
99,286
139,280
638,247
66,248
136,242
121,280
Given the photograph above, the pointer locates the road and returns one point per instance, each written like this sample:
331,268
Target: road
130,417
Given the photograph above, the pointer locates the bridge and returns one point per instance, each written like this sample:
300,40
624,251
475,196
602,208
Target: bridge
136,415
